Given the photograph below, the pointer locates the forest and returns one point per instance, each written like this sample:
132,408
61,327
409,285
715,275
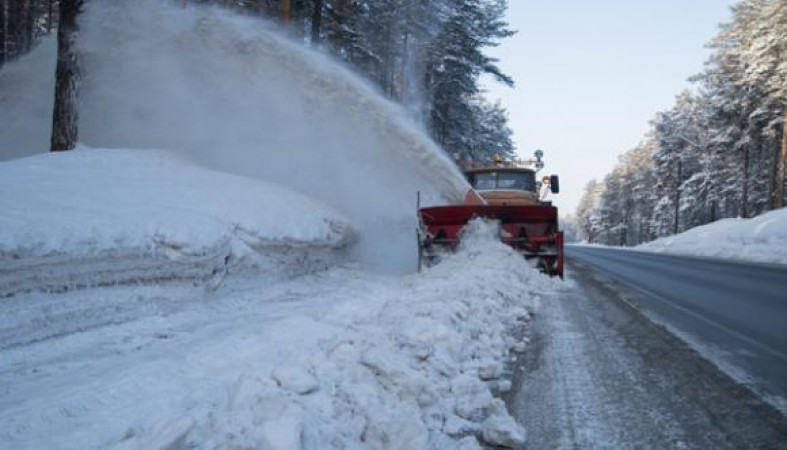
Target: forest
427,56
718,152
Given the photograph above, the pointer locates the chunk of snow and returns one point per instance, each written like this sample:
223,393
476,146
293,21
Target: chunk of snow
396,432
395,374
458,427
503,386
502,430
519,347
473,400
295,378
284,432
169,435
490,370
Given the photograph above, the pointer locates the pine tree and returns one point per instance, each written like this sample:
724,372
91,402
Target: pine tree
456,60
491,133
316,22
767,68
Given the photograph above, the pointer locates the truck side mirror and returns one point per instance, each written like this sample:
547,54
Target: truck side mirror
554,184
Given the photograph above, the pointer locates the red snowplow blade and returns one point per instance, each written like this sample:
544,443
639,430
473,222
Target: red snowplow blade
531,230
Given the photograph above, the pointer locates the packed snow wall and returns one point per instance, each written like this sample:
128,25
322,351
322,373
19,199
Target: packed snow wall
237,95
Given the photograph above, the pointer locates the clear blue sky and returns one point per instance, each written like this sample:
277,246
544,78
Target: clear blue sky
590,74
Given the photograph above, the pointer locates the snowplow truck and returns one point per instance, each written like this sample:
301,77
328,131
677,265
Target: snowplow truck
509,193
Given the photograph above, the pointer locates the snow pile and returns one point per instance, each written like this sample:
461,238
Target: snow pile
339,360
761,239
237,95
409,367
100,216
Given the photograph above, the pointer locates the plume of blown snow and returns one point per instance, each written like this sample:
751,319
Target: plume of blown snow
236,95
27,96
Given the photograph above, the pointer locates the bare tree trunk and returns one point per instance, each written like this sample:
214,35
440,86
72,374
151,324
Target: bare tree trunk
744,206
19,27
773,179
407,58
391,72
26,42
50,15
3,31
403,82
285,11
65,116
783,166
676,225
316,21
32,28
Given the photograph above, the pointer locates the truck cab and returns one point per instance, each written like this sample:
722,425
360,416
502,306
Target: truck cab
509,186
505,186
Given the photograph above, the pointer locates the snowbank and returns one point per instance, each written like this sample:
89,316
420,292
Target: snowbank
114,216
761,239
340,360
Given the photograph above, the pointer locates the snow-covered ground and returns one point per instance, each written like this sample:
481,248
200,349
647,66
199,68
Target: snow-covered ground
336,359
760,239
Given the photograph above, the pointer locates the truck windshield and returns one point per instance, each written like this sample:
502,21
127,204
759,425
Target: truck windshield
523,181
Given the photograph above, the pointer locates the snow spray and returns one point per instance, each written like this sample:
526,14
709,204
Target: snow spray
237,95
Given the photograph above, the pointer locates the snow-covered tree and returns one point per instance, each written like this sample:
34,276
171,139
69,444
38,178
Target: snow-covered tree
455,62
766,68
492,135
680,137
568,225
586,215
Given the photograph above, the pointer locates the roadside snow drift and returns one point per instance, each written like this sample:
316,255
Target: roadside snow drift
761,239
338,360
237,95
91,217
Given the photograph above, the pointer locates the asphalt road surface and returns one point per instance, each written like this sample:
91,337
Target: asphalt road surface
735,313
648,351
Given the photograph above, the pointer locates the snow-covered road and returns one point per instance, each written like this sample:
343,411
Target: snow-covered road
599,374
336,359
